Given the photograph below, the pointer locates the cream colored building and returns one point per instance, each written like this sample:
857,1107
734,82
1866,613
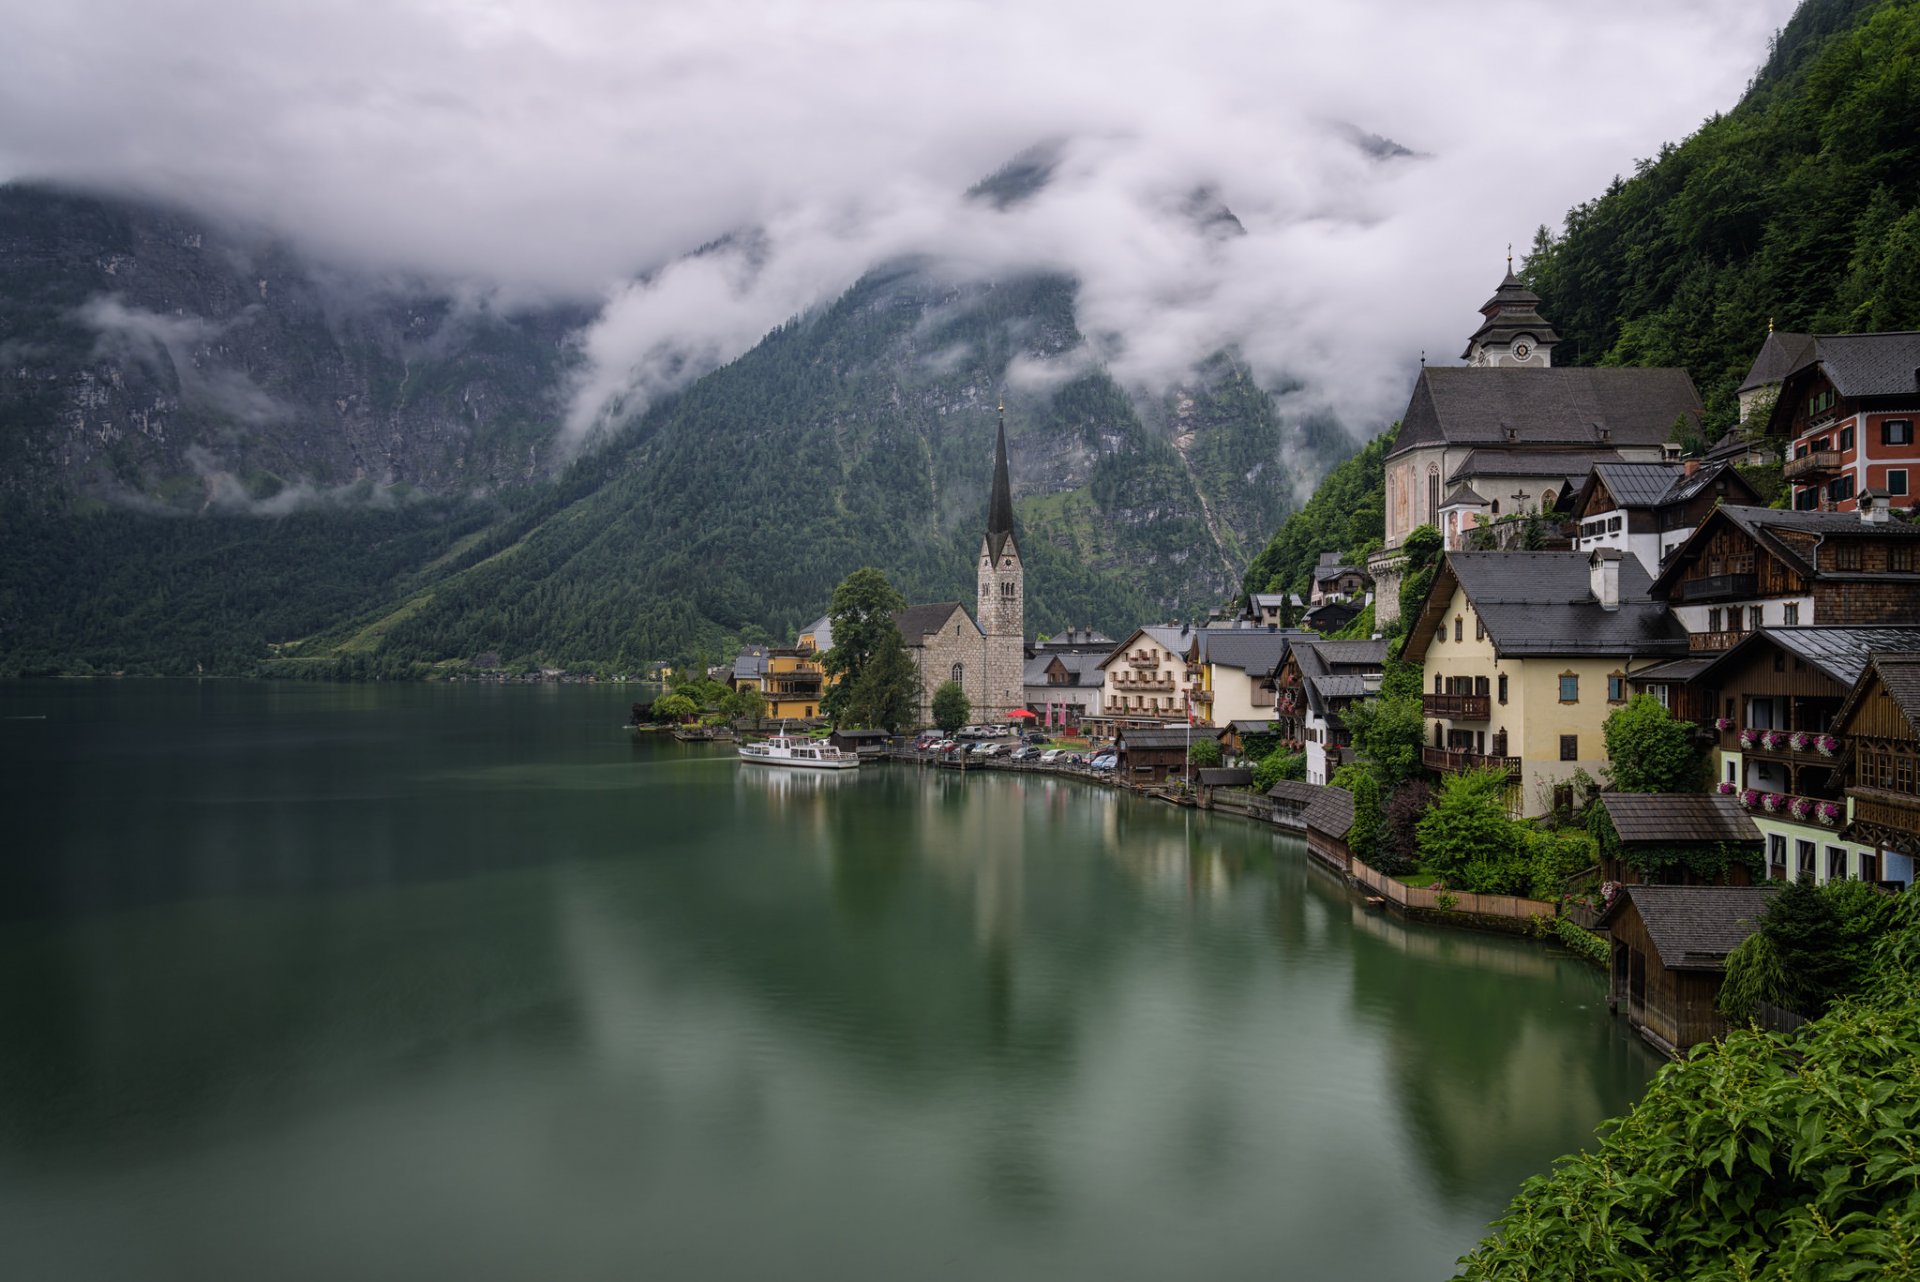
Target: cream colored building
1526,654
1147,677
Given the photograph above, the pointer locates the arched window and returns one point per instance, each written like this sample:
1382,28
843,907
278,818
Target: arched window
1433,493
1496,507
959,673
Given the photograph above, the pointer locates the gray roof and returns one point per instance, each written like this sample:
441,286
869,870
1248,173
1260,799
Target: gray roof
1775,529
1542,603
1637,484
1672,672
822,630
1325,571
916,621
1695,927
1331,812
1252,727
1462,494
750,662
1297,790
1900,674
1662,817
1842,653
1560,464
1223,776
1335,671
1178,736
1255,650
1078,639
1779,356
1557,406
1513,309
1861,365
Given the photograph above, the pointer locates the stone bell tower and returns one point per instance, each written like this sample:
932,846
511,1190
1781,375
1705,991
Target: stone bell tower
1002,600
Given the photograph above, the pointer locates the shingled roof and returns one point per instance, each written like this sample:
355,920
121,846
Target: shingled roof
1779,356
1296,790
1256,651
1695,927
1542,603
1840,654
1561,464
1900,674
1668,818
1224,776
1862,365
1331,812
1566,406
1155,738
1338,670
916,621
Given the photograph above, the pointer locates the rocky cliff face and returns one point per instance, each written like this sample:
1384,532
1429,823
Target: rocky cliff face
150,354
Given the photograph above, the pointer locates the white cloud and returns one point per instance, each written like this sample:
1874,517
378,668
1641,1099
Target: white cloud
572,145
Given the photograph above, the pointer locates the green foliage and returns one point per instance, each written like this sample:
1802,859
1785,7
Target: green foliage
1823,937
1368,819
1399,847
1649,751
675,707
1467,838
1583,942
1346,512
1754,975
1277,765
744,705
861,613
1360,628
1761,1158
885,692
1423,547
1204,753
1387,732
1686,262
951,707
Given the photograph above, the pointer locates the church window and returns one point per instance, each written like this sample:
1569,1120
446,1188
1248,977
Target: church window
1496,507
1546,500
1433,492
959,673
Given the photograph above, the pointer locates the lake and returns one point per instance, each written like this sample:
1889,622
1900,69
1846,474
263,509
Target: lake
330,982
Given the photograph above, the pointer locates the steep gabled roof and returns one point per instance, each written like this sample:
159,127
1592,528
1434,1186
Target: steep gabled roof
1565,406
1335,671
1775,530
1174,639
1256,651
1331,812
918,621
1900,674
1862,365
1695,927
1839,654
1779,356
1542,603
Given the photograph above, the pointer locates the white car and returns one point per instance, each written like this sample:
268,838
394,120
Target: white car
1052,755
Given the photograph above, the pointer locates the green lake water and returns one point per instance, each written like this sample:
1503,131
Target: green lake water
370,982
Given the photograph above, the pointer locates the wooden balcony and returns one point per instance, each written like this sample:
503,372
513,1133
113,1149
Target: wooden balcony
1124,682
1448,761
1698,641
1719,587
1887,818
1815,466
1202,697
1458,707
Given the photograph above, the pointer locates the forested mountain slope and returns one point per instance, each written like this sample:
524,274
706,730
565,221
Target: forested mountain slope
1799,208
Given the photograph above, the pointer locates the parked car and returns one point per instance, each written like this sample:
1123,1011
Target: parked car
1023,753
1104,761
1052,756
982,749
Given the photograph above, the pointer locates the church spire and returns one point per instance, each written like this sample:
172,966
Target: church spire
1000,508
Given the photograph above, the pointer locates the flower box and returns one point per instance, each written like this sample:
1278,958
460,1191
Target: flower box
1801,741
1828,812
1750,798
1749,738
1801,808
1723,723
1775,739
1826,745
1773,803
1725,789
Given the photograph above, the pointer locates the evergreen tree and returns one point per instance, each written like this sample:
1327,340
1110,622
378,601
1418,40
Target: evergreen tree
886,694
861,613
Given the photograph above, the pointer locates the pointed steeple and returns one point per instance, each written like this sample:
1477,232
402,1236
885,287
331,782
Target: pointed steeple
1000,507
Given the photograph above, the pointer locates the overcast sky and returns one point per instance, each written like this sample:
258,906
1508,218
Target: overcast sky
566,145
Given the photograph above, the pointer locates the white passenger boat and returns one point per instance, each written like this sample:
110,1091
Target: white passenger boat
793,750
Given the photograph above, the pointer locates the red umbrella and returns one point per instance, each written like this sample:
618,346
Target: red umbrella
1022,712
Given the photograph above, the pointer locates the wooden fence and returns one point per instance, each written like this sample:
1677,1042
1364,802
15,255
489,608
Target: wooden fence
1459,901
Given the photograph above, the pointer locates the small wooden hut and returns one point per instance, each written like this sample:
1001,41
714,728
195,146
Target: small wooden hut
1655,831
1153,754
1290,798
1670,946
1329,819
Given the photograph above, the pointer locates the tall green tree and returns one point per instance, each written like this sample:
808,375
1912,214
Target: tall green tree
1423,546
1649,751
951,707
861,612
1387,732
886,694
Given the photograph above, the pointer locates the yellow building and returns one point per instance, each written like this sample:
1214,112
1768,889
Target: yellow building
789,678
1526,654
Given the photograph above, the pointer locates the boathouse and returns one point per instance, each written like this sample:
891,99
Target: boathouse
1670,946
1662,837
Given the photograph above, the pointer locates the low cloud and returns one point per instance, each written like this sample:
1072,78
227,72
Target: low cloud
174,350
1378,155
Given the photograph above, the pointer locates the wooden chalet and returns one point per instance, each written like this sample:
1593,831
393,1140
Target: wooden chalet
1648,509
1880,721
1751,567
1154,754
1648,821
1670,946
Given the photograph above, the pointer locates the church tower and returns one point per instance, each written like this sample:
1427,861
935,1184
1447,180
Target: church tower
1002,600
1515,335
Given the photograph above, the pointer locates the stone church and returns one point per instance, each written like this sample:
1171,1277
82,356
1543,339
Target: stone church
984,651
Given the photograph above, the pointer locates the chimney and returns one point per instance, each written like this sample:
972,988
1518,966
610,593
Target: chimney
1693,465
1874,509
1604,577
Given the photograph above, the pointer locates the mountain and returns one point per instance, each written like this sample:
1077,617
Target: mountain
1800,208
226,456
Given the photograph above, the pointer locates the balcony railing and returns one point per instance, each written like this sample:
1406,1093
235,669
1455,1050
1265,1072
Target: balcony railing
1814,466
1124,682
1713,640
1757,743
1898,812
1451,762
1458,707
1718,585
1144,660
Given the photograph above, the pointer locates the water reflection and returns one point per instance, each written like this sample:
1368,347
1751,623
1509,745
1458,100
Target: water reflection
580,1004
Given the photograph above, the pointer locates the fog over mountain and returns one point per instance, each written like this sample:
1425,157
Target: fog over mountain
1378,156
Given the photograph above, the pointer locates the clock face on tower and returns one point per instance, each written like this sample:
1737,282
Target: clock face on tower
1522,348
